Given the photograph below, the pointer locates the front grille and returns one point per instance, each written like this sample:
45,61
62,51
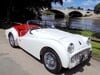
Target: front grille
81,56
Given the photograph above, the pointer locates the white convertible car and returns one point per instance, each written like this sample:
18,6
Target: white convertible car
55,48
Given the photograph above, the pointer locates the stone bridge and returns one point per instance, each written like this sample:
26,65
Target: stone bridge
71,12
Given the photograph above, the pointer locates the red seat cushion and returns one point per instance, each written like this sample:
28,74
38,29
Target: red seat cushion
22,29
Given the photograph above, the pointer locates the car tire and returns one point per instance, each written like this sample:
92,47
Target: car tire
12,41
51,61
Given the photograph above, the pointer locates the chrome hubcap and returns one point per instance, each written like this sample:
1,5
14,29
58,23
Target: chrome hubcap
50,61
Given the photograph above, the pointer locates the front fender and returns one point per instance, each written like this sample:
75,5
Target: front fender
60,50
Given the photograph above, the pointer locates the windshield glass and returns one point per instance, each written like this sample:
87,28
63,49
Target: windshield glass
42,24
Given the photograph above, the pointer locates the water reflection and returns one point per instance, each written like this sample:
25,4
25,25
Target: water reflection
88,24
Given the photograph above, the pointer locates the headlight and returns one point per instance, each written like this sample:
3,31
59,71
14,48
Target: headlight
71,48
88,41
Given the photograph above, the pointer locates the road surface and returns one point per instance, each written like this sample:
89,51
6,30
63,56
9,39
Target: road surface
18,62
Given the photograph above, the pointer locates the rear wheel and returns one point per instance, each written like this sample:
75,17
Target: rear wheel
51,61
12,41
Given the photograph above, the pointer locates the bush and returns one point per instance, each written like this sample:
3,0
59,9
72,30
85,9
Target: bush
97,35
97,9
48,13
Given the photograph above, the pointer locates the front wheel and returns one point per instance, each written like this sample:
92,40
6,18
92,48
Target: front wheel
51,61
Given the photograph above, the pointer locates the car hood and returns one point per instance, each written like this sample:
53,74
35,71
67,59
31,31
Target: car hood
56,34
65,38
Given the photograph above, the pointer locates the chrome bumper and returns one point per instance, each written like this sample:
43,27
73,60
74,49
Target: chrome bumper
80,57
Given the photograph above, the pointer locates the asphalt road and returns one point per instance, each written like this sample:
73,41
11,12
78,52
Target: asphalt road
18,62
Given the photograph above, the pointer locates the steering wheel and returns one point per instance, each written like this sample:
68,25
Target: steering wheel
34,28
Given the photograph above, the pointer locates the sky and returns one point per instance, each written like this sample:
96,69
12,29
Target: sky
85,4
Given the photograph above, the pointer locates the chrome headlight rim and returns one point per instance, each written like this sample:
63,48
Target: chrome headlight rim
71,48
88,41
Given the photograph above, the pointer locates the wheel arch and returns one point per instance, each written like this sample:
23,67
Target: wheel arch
62,54
44,49
10,33
58,67
15,35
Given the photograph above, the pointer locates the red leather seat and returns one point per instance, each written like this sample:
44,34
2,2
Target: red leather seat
22,29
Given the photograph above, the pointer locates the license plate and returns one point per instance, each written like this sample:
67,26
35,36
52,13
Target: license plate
83,56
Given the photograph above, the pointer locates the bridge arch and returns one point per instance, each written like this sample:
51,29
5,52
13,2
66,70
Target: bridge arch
75,14
71,12
58,14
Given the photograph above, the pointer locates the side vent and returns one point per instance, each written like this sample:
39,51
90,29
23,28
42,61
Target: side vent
80,43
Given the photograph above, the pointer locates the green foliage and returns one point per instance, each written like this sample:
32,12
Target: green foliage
81,32
79,8
86,33
48,13
10,8
96,49
97,35
34,3
97,9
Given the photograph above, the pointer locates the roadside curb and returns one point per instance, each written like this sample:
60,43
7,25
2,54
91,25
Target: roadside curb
95,39
96,58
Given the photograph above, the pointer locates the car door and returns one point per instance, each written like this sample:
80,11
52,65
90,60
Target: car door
31,43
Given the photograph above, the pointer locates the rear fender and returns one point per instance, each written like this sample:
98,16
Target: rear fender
14,33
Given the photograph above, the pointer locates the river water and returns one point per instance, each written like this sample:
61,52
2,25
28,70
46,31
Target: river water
85,24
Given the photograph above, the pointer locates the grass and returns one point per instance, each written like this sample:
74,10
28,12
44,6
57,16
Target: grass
95,44
96,49
84,33
81,32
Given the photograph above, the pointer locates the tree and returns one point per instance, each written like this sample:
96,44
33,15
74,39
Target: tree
71,7
34,3
97,9
79,8
89,10
15,8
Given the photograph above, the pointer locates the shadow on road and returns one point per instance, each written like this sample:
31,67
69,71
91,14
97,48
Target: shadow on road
79,68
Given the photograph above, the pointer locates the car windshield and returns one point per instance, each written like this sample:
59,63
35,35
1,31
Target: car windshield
42,24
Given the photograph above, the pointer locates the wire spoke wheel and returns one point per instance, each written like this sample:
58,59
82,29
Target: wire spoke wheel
50,61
